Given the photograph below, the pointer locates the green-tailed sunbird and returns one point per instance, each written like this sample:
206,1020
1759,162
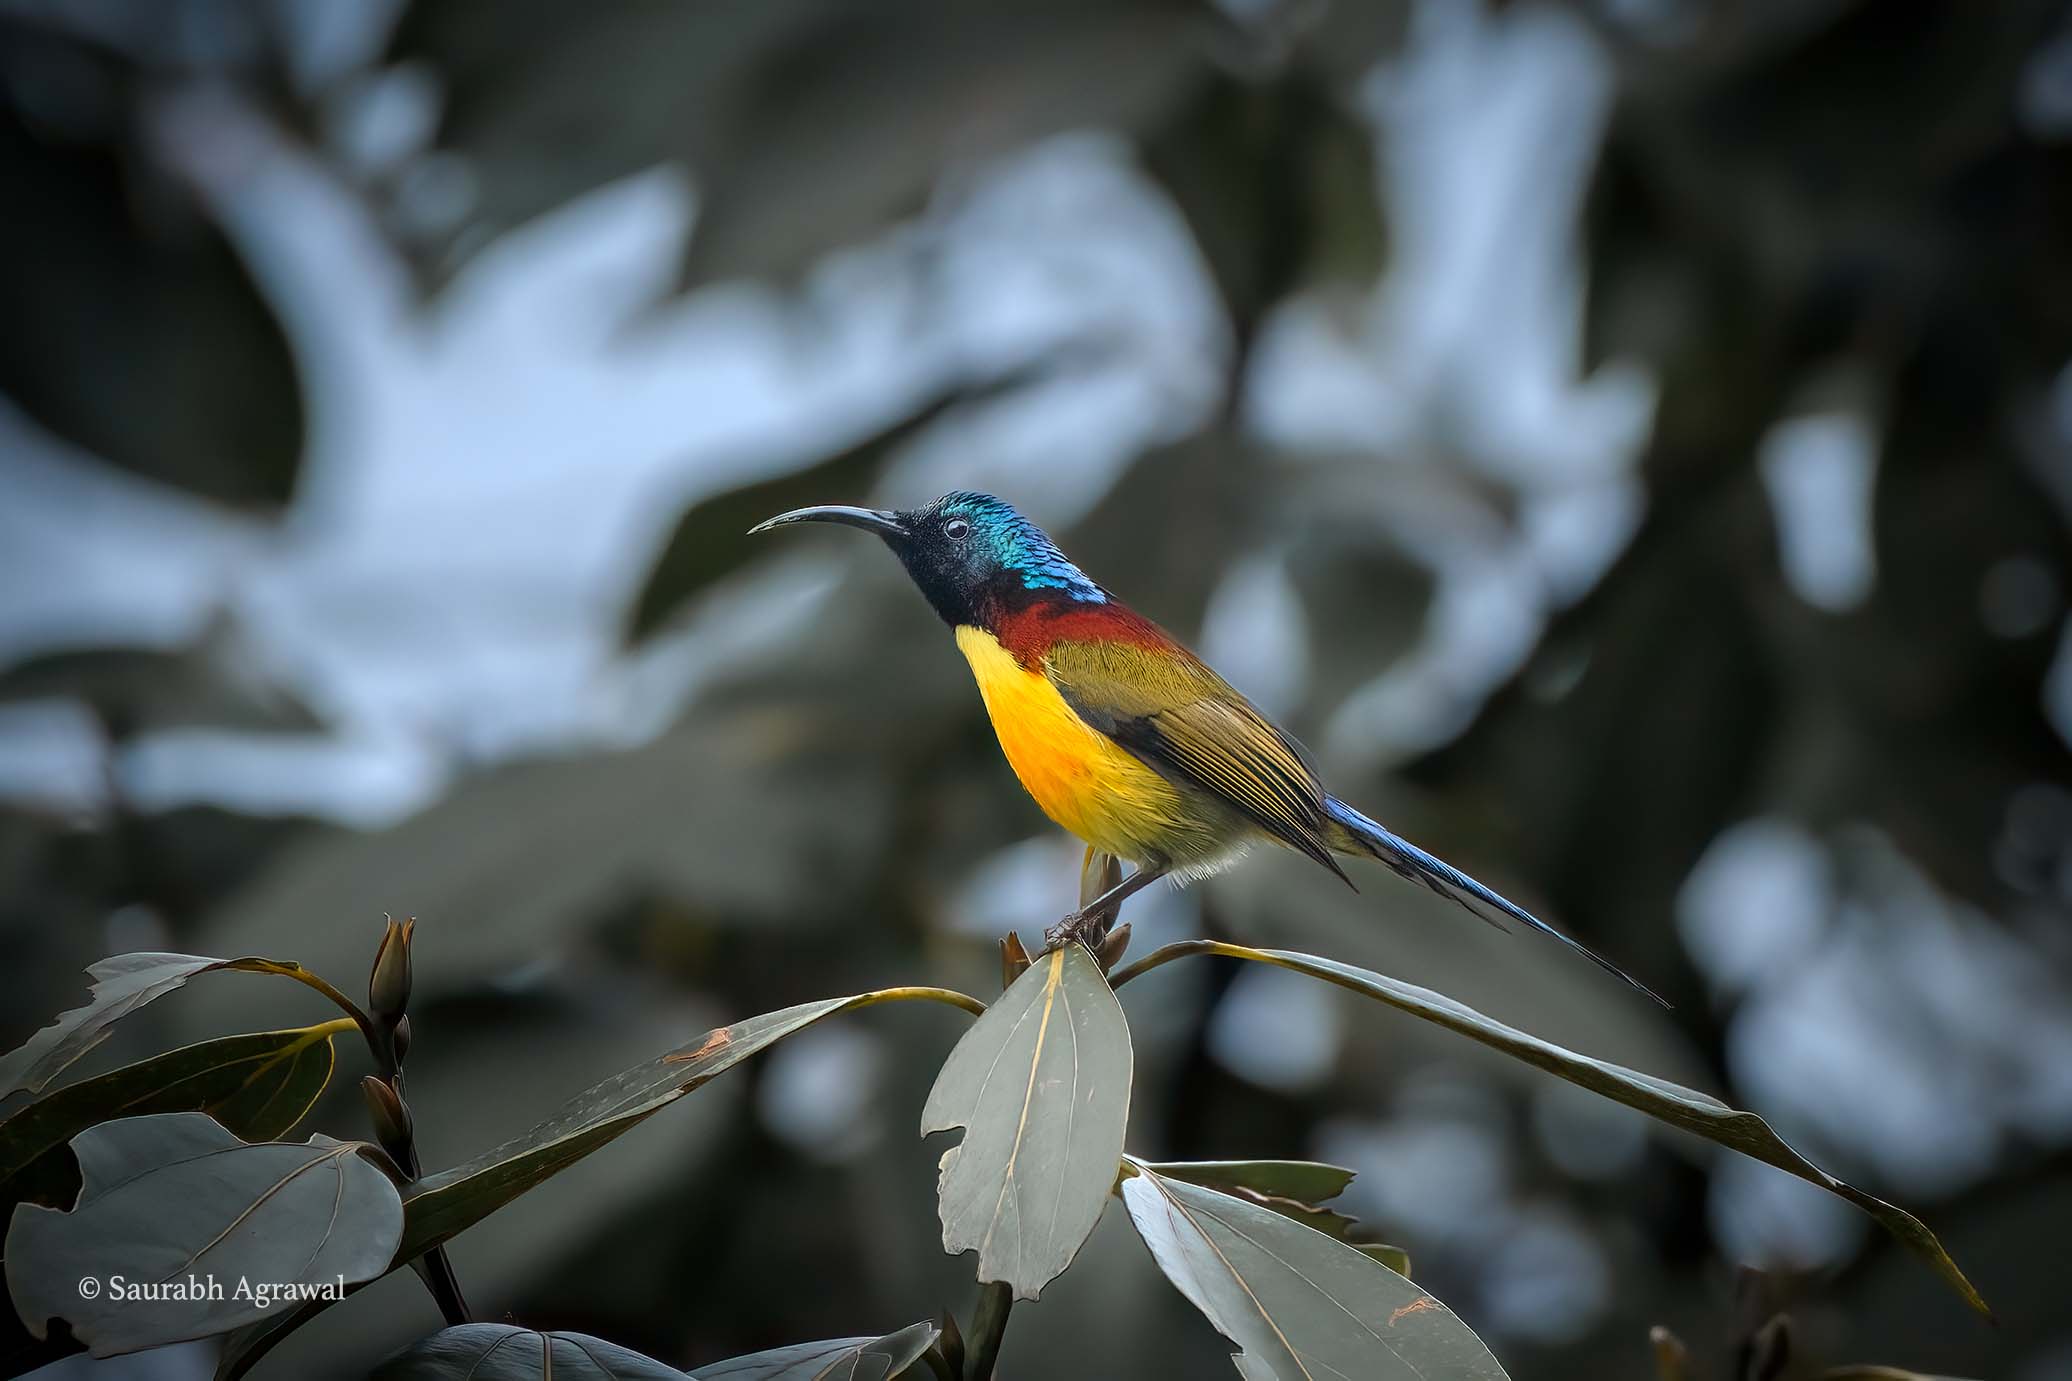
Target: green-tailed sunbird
1123,736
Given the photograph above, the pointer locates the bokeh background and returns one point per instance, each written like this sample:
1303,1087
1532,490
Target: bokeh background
1629,440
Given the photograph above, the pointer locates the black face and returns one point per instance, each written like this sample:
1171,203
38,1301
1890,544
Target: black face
972,555
947,561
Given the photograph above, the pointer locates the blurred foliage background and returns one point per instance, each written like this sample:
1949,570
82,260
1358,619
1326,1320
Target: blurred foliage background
1630,440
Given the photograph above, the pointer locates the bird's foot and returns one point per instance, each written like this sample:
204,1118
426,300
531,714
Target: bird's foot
1087,927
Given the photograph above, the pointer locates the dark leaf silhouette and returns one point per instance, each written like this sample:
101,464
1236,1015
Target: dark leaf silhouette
711,538
806,126
1680,1107
1277,182
450,1201
1292,1188
257,1086
136,690
443,1204
505,1352
121,985
840,1359
119,285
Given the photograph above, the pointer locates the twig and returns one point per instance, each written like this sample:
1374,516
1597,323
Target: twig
988,1327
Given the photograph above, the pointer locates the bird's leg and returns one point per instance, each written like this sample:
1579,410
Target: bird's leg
1075,926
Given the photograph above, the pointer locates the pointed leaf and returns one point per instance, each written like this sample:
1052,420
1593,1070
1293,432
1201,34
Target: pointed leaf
1041,1085
949,1347
203,685
441,1205
1293,1188
1277,181
175,1198
1299,1304
841,1359
504,1352
244,1348
849,129
1395,1258
1680,1107
122,984
137,332
256,1086
711,538
1305,1181
438,1206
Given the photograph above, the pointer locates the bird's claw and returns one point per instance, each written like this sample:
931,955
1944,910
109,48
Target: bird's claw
1078,926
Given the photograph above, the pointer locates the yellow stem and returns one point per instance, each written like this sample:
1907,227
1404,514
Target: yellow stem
945,995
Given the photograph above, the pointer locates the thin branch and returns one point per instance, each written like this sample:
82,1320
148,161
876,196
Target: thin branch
988,1327
949,996
1164,954
345,1004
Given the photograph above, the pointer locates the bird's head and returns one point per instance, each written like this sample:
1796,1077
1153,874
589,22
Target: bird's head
972,555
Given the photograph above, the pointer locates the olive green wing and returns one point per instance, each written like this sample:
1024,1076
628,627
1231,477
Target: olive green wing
1171,712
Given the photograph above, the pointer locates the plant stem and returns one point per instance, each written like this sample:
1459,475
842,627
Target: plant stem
988,1327
945,995
436,1271
345,1004
385,1029
1164,954
434,1268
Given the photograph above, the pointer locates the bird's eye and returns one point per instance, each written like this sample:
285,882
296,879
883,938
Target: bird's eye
956,529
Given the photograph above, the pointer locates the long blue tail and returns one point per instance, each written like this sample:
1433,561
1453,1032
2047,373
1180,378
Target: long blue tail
1356,834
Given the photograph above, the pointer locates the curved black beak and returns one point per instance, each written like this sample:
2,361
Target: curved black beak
869,519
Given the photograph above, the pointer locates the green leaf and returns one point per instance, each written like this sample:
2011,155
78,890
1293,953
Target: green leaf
1292,1188
1304,1181
520,858
441,1205
504,1352
257,1086
174,1198
244,1348
136,332
1041,1085
1395,1258
203,685
711,538
122,984
805,126
841,1359
848,129
1298,1303
1672,1103
438,1206
1277,181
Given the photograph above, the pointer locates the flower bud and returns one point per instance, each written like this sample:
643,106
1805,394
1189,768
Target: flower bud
401,1038
388,989
392,1126
1110,952
1013,959
1099,874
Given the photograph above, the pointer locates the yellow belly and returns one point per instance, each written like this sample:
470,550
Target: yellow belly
1081,778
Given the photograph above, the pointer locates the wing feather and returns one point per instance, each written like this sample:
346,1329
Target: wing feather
1169,710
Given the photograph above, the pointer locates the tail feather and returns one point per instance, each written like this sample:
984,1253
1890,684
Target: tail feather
1356,834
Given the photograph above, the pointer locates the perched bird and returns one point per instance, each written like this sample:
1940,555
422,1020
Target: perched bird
1123,736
